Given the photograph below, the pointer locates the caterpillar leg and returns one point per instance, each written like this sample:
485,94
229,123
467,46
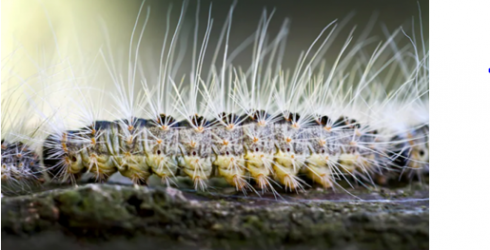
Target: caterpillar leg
259,165
319,170
286,168
163,166
232,169
102,166
197,168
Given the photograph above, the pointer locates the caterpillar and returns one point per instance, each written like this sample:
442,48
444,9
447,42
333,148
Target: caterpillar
259,127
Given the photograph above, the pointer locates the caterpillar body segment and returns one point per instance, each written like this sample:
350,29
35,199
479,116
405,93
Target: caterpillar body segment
321,162
196,150
348,137
162,147
98,156
292,149
361,151
259,148
228,137
129,145
372,152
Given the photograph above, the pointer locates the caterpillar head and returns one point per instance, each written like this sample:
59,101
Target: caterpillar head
419,153
411,150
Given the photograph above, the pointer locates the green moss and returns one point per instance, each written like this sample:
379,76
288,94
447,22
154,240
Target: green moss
108,212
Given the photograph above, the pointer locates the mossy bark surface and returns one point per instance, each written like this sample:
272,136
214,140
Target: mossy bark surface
106,216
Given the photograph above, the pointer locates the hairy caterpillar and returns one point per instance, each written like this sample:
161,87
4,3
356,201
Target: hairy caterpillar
258,126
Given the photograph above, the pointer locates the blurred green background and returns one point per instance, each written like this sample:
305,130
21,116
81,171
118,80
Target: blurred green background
26,23
39,33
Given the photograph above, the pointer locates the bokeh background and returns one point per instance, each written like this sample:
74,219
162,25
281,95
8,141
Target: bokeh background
32,24
37,34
